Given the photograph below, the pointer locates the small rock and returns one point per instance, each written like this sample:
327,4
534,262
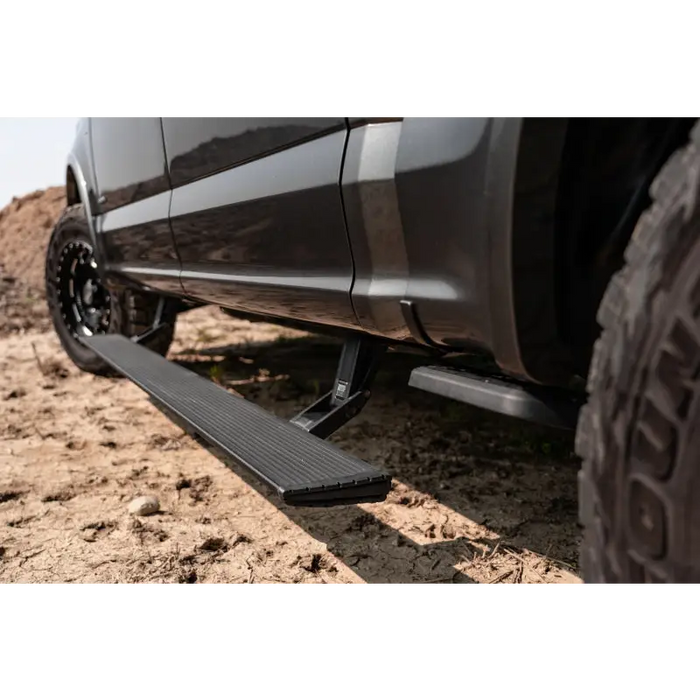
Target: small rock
144,505
448,532
2,552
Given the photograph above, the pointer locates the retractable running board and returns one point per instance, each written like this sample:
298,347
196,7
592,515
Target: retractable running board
302,468
552,407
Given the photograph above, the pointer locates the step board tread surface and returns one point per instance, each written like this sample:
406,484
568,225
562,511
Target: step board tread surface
283,455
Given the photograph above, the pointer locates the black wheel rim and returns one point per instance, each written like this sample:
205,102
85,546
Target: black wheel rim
83,299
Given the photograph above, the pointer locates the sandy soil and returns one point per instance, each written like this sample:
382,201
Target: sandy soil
476,497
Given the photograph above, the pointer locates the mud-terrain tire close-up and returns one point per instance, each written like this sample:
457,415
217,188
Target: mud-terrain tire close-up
126,311
639,435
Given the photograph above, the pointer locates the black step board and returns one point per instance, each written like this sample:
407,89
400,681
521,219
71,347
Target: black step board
553,407
302,468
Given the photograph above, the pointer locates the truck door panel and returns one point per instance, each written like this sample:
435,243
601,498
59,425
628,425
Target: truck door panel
133,196
268,236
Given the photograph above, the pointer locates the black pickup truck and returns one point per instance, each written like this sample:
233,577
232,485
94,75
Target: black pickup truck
565,253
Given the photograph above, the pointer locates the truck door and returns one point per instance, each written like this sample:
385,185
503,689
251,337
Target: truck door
133,195
257,215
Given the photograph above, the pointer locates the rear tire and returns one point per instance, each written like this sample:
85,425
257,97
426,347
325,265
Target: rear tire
127,312
639,435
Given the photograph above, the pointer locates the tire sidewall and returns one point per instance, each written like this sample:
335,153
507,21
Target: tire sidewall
638,435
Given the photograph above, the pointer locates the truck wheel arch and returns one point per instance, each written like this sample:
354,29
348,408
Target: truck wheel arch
580,187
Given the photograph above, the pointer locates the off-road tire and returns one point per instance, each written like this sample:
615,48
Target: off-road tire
639,435
131,312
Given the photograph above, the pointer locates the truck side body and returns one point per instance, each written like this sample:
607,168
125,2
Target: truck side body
327,222
438,232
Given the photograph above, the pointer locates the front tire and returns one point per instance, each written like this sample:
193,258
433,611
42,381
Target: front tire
81,305
639,435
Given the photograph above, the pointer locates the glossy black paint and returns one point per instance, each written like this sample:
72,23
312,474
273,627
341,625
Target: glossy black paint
133,190
196,148
269,236
138,244
129,160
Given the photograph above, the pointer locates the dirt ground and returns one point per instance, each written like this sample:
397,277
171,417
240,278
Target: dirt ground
476,497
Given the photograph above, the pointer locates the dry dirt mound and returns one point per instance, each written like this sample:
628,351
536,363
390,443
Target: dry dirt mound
25,227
